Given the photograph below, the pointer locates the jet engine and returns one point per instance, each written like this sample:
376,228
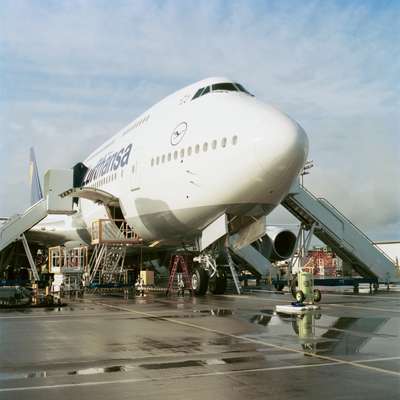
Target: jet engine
277,244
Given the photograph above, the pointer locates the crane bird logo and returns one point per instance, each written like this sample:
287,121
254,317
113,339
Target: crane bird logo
178,133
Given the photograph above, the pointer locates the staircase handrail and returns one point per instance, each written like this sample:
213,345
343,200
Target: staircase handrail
104,227
324,200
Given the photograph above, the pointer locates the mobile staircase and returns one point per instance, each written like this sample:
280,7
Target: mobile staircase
110,238
14,228
347,241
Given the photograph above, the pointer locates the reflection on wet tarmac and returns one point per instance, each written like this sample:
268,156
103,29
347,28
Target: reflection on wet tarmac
342,336
216,312
130,367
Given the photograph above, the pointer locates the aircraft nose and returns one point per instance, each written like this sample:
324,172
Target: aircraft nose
281,146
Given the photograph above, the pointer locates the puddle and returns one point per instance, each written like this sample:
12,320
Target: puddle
235,360
92,371
52,373
323,334
261,319
179,364
216,312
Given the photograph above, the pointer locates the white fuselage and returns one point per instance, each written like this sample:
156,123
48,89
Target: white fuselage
185,161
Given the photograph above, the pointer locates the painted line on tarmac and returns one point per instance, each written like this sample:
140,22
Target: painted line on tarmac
322,304
362,308
258,341
62,316
366,296
356,333
243,296
378,359
137,380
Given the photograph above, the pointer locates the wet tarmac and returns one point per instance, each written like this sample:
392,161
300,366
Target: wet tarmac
224,347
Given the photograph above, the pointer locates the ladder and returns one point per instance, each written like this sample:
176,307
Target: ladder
232,268
177,260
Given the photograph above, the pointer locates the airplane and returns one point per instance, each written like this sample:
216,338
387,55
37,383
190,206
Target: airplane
207,151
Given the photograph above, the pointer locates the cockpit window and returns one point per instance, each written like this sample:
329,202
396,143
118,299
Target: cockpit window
242,89
206,90
198,94
224,86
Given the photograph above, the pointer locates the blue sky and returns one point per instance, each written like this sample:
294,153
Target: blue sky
72,73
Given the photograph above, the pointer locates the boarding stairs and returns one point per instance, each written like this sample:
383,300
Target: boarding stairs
106,264
340,234
14,228
110,238
55,181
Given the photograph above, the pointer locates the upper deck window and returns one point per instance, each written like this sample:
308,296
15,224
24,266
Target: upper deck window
225,87
206,90
198,94
242,89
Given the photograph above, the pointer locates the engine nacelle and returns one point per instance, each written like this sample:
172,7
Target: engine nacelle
277,244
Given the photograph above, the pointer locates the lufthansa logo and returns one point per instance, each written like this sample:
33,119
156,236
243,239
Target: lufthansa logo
178,133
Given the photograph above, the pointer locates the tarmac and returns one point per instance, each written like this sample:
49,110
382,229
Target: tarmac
214,347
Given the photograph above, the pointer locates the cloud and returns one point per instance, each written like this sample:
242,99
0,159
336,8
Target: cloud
82,70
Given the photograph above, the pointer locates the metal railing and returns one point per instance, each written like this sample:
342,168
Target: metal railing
113,231
322,199
340,214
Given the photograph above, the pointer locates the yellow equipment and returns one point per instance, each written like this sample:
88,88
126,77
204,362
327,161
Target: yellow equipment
306,292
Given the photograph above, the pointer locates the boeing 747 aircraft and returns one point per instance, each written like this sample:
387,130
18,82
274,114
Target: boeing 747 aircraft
208,151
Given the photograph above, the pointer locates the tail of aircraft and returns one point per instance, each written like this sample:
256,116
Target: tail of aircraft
34,180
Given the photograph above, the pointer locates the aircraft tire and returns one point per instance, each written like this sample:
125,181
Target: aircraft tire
300,296
217,283
199,281
317,295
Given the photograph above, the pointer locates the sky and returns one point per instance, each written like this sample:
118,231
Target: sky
72,73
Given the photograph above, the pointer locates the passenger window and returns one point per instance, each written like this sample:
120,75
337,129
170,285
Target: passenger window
214,144
157,160
182,153
205,146
152,162
163,158
175,154
197,148
169,157
189,151
223,142
234,140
